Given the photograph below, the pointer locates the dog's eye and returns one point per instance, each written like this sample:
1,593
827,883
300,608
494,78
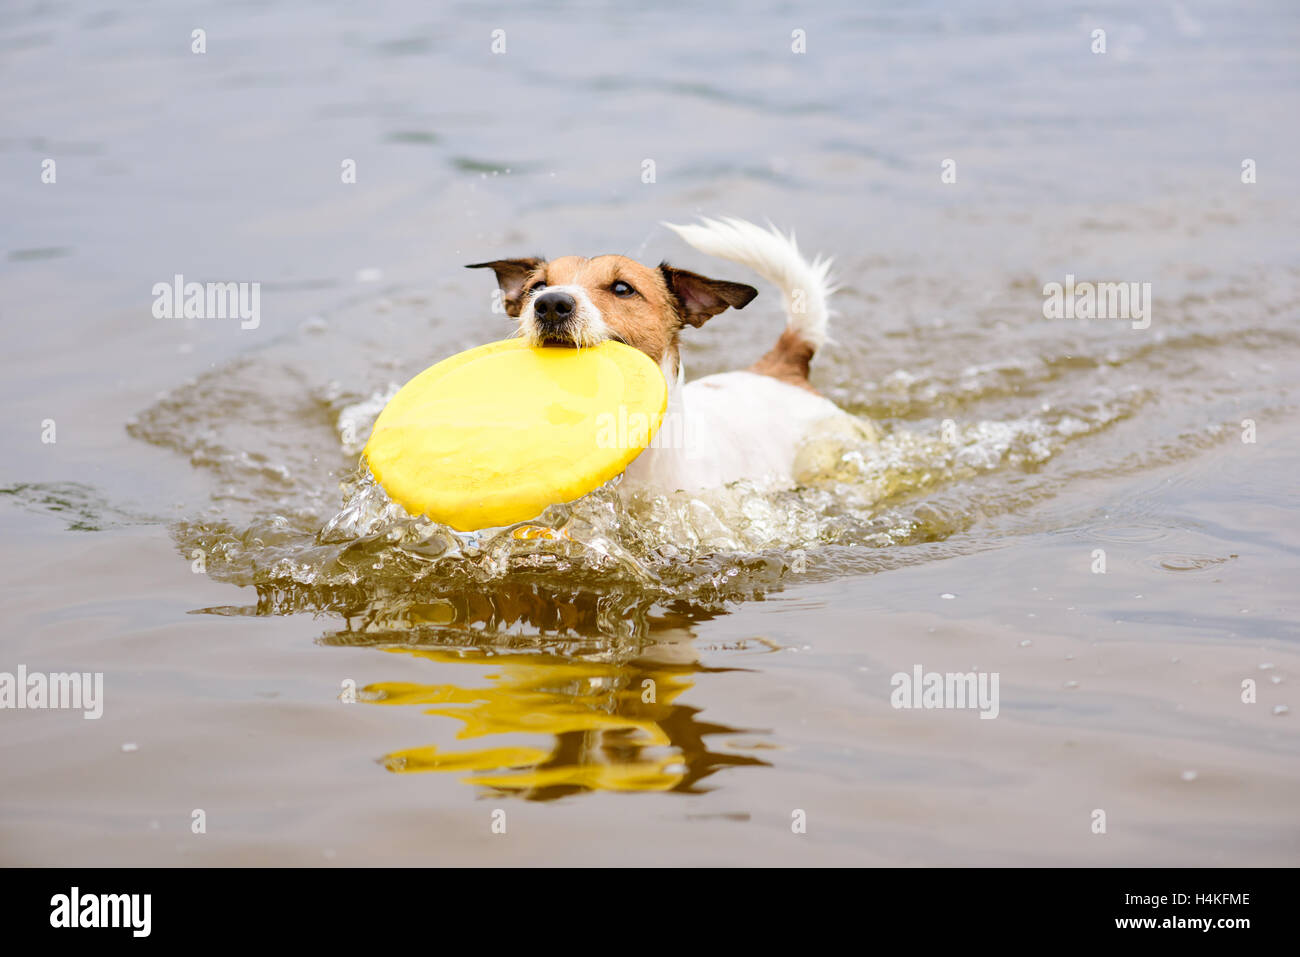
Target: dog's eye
622,289
536,287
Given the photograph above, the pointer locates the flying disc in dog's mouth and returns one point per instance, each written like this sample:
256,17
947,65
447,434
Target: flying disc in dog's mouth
494,435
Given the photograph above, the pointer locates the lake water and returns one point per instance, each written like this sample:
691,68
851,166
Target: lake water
1101,512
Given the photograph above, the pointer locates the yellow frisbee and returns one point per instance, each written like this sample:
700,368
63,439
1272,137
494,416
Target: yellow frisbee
493,435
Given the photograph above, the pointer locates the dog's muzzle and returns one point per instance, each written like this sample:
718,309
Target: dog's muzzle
553,313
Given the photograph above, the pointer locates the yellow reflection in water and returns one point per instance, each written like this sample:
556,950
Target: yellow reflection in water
611,725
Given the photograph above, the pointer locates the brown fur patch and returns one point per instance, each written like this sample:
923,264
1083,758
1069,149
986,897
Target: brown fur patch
788,360
700,298
647,320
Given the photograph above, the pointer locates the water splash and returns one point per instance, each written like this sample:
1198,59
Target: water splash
606,563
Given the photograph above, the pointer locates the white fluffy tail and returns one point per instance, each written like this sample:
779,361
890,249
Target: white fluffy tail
806,286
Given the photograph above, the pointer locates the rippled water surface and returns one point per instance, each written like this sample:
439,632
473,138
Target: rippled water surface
665,678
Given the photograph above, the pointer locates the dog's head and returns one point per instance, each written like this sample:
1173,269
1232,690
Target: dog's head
582,302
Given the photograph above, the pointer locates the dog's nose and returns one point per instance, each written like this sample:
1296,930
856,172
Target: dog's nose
554,306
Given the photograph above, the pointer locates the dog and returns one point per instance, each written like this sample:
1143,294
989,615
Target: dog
746,424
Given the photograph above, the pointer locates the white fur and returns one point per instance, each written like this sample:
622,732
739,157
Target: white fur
805,286
734,425
742,425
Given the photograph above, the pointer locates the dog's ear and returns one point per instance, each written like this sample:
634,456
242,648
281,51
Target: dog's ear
511,276
701,298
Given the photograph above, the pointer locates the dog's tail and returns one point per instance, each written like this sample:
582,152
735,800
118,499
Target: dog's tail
806,286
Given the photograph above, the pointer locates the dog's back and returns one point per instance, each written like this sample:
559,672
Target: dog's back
747,424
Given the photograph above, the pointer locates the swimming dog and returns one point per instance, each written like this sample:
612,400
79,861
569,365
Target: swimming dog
745,424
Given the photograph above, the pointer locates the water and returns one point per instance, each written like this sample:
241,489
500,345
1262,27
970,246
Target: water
661,678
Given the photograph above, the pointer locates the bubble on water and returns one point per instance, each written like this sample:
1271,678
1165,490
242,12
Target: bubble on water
356,419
